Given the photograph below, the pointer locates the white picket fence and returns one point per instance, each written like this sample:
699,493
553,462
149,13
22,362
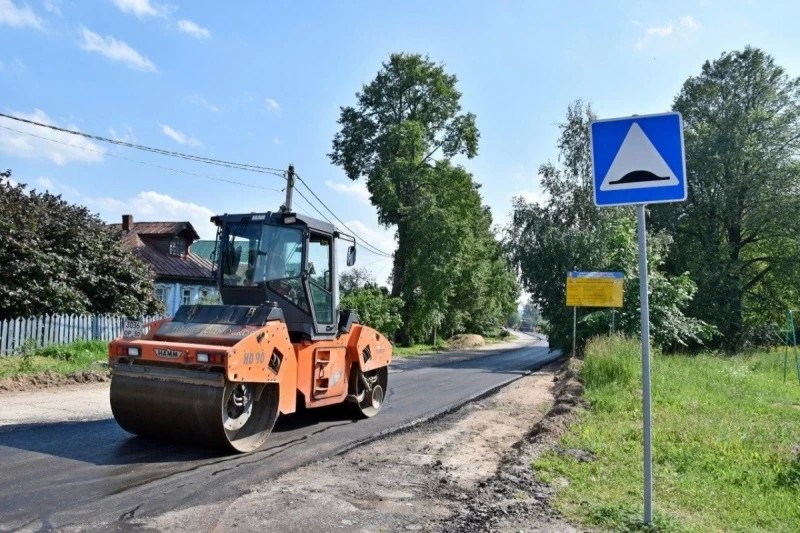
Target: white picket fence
47,330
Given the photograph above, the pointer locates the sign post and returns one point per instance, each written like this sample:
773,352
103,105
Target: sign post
640,160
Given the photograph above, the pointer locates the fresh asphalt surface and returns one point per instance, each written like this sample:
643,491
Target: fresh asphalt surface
93,473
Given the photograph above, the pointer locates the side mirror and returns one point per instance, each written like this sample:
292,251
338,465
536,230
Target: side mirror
311,270
351,255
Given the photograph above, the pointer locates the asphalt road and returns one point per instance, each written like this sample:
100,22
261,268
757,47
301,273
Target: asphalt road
92,473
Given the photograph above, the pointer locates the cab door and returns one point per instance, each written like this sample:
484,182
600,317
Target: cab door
321,279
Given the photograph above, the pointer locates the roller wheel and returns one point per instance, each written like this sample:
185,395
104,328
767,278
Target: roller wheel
248,421
238,416
369,402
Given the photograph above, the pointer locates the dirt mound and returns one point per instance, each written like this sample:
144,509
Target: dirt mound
466,340
50,379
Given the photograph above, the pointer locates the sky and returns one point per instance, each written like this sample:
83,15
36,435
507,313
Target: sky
262,83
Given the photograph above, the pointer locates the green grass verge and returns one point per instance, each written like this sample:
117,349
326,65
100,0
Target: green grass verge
442,346
726,443
420,349
64,359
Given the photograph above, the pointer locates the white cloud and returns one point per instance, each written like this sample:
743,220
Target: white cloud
686,26
193,29
276,140
19,16
180,137
123,137
115,50
143,8
146,206
61,149
156,206
10,181
198,100
47,183
690,23
272,105
53,6
534,197
380,238
355,189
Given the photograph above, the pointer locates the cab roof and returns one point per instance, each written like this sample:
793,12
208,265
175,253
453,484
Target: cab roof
276,218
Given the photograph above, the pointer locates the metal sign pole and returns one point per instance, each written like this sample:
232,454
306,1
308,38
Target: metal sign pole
646,407
574,329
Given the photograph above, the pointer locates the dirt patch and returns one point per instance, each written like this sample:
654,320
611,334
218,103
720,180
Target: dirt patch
49,379
466,340
513,499
466,471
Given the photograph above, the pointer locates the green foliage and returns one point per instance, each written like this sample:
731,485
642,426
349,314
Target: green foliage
724,443
375,308
448,269
737,233
568,232
59,258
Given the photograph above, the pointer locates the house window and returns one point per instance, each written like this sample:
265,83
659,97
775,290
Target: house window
177,246
186,296
162,293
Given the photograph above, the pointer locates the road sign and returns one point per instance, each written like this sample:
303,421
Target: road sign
638,160
594,289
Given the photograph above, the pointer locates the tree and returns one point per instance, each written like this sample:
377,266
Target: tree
354,279
738,232
59,258
408,117
568,232
375,308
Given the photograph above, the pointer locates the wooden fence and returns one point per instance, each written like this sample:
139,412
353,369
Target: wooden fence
41,331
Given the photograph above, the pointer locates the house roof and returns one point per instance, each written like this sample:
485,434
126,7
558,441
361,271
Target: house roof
160,228
140,240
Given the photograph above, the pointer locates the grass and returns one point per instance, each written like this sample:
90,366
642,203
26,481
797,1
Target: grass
64,359
442,345
726,443
420,349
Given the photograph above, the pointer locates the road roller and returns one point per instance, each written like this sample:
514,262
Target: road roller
220,375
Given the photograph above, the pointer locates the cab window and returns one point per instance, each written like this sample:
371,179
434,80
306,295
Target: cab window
319,277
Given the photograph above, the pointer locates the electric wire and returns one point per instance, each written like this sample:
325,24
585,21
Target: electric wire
201,159
155,165
170,153
366,244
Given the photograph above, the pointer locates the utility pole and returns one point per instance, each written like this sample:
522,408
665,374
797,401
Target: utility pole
287,206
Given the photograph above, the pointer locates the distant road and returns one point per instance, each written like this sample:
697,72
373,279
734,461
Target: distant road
61,474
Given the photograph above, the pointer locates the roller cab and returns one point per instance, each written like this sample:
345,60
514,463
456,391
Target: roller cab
220,375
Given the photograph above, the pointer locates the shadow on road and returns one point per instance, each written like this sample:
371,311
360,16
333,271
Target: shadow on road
103,442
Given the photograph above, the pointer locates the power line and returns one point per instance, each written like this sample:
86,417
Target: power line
366,244
190,157
201,159
163,167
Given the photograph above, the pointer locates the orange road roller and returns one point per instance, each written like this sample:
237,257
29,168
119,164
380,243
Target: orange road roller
219,375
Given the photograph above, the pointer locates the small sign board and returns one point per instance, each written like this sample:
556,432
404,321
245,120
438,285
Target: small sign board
132,328
594,289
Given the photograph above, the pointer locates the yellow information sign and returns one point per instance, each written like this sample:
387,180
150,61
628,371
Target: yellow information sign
594,289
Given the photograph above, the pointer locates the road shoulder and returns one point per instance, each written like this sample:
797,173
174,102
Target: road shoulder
466,471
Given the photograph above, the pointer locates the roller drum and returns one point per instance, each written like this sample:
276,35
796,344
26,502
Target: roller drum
195,407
